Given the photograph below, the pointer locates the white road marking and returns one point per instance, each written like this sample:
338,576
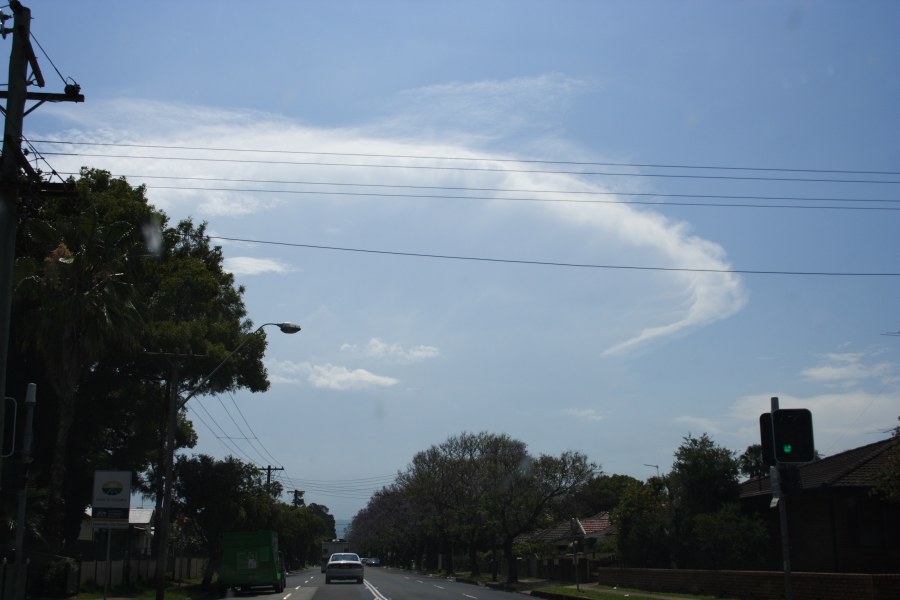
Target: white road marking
378,595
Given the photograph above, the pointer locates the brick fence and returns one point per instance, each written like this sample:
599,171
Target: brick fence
755,585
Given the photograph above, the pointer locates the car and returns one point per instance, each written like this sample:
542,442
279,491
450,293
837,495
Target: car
374,562
344,565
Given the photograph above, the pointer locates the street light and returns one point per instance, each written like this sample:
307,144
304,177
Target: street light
175,405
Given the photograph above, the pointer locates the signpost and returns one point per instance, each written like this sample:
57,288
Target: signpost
112,503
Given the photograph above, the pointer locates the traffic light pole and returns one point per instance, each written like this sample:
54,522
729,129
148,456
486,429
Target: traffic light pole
778,491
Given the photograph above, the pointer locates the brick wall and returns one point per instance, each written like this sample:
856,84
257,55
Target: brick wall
756,585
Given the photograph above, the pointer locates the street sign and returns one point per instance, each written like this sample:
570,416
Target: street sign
112,499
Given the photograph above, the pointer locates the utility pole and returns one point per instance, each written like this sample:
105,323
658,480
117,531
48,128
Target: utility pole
13,161
269,470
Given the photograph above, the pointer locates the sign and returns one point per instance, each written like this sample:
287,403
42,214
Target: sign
112,499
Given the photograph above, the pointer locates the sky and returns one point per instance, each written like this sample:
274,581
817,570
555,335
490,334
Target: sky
592,226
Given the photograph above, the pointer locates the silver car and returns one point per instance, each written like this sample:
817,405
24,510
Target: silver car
344,565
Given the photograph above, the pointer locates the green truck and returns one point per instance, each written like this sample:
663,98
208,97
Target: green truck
251,559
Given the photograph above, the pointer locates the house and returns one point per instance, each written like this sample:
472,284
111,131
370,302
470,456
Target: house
136,541
557,541
835,523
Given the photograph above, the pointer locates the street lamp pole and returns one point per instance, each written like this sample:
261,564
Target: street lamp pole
175,405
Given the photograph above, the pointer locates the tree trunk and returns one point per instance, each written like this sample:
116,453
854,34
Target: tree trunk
474,567
55,504
512,575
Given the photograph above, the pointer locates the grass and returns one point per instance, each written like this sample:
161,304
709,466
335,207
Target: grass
189,590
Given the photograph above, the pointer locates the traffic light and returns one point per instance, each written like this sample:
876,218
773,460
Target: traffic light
792,435
765,439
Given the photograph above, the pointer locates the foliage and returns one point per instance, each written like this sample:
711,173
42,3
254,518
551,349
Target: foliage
473,491
641,519
602,493
751,464
726,539
217,496
110,306
887,482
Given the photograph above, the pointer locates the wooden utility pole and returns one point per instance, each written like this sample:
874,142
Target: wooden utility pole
13,161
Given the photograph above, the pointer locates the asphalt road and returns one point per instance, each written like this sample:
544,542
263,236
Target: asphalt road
380,584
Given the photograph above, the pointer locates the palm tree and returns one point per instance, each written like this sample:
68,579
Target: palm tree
74,303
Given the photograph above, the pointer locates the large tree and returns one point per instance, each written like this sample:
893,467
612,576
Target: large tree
75,302
707,528
525,488
112,306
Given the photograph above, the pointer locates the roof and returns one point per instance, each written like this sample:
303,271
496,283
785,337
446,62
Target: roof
596,526
136,516
856,468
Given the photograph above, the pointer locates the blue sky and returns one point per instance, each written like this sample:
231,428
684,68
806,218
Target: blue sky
561,140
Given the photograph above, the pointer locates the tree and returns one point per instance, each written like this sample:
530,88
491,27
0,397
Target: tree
751,464
94,275
642,526
602,493
219,496
887,482
727,539
74,304
526,487
704,478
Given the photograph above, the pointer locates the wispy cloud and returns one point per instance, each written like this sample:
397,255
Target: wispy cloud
245,265
583,414
847,368
375,348
649,311
328,376
339,378
699,425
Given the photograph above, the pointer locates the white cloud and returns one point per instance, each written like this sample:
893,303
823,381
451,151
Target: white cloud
847,369
583,414
699,425
245,265
375,348
653,308
328,376
338,378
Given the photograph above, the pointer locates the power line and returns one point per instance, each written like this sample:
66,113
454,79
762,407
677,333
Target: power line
473,169
556,264
459,158
490,189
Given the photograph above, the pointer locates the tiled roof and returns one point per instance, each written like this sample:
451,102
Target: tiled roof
854,468
596,526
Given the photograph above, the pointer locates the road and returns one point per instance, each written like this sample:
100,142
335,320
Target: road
380,584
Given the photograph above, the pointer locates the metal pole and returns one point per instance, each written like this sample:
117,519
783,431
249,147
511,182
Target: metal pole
108,563
775,479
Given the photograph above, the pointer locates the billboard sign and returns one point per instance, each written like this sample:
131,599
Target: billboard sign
112,499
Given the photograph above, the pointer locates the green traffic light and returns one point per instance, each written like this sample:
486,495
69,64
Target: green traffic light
788,448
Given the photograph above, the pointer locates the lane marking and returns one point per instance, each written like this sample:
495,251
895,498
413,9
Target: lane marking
378,595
